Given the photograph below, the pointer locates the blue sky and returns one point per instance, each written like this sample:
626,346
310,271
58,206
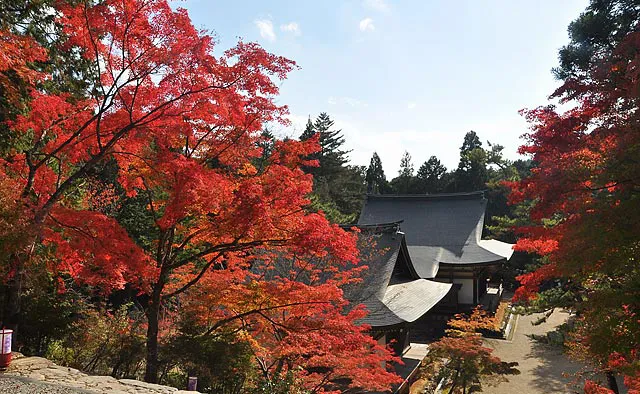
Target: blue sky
405,75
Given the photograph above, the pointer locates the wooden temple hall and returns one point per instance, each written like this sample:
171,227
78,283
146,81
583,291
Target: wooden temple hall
425,254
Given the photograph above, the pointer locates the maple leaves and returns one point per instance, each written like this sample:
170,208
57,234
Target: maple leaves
158,85
303,329
170,131
16,54
290,307
584,189
95,250
467,360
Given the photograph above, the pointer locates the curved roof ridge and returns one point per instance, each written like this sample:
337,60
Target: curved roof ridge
375,227
445,196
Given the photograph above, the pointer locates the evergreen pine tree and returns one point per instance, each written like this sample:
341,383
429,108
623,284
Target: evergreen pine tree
471,174
405,182
430,176
338,188
309,130
471,142
332,158
406,166
376,180
266,143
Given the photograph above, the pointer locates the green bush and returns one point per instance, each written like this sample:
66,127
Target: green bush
104,343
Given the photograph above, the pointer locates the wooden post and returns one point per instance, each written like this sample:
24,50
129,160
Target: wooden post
475,288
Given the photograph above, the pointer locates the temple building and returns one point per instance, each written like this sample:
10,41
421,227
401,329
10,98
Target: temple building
392,291
443,237
394,295
426,259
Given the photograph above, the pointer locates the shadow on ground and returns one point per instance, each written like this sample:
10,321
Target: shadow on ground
544,369
554,372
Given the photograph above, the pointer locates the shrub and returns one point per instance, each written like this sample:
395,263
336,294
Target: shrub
104,343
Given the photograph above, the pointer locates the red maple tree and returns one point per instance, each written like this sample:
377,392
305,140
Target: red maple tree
585,189
459,361
181,127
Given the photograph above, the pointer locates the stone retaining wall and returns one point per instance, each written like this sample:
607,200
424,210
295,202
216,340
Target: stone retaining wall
41,369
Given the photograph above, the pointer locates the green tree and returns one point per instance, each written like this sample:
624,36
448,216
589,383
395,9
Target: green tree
331,158
405,182
337,187
471,142
266,143
376,180
406,166
594,36
431,176
471,174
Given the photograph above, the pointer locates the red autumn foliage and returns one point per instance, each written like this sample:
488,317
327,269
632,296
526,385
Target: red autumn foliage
182,126
591,387
584,219
467,360
16,54
304,328
530,282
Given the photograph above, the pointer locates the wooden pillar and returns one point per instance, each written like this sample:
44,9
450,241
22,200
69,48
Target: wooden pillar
475,287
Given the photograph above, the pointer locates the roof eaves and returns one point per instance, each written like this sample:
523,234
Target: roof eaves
444,196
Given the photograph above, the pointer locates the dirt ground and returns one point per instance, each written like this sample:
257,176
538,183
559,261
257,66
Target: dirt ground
543,368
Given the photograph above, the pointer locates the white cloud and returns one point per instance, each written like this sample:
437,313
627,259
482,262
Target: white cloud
266,29
378,5
291,27
350,101
367,25
411,105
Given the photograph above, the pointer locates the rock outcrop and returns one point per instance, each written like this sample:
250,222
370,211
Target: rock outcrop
43,370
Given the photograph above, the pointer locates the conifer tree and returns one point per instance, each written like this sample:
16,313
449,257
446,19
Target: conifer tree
331,158
405,182
406,166
338,188
267,144
430,176
376,180
471,174
471,142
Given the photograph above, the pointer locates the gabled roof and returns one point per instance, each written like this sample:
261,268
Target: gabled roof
440,228
390,288
414,298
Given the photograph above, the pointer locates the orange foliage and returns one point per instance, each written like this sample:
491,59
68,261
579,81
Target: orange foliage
182,126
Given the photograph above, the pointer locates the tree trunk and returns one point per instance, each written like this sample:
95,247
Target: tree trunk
611,380
153,315
11,312
454,381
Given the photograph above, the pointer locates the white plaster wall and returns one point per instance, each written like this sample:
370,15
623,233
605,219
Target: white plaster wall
465,295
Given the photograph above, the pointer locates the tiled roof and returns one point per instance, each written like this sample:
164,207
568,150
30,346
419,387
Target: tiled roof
440,228
390,289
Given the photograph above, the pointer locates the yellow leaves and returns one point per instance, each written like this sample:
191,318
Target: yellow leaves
247,169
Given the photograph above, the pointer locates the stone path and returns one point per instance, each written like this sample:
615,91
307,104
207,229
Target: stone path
35,375
543,368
